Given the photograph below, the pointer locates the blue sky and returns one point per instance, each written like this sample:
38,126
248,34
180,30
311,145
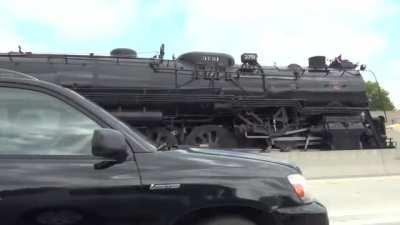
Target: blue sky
280,31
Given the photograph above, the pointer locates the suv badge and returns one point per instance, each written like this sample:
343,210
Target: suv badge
164,186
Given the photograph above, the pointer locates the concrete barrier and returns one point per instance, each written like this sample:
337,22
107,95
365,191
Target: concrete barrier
342,164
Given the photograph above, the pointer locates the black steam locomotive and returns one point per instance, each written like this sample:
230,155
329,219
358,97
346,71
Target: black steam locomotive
205,99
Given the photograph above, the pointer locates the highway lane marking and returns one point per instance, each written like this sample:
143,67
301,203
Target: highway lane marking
372,200
367,221
352,179
368,217
365,213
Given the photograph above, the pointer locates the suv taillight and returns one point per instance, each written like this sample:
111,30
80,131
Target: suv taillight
300,187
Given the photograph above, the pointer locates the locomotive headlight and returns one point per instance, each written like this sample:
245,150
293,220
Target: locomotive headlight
300,187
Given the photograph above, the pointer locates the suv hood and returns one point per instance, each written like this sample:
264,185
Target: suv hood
204,165
242,154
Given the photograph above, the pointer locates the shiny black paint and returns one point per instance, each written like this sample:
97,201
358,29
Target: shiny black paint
32,185
149,188
217,180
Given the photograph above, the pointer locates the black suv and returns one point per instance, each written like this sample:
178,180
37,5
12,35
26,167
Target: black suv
65,161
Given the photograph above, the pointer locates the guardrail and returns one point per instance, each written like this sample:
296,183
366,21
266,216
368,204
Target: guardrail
346,163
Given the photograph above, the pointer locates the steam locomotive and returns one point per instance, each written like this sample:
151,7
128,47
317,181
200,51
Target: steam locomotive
205,99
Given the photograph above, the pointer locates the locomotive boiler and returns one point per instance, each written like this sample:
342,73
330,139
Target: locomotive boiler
205,99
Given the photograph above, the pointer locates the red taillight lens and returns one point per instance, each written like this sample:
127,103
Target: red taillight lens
299,190
299,185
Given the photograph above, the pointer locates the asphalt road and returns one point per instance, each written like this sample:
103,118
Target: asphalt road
360,201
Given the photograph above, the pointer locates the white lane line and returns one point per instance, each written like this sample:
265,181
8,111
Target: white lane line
347,179
386,221
368,218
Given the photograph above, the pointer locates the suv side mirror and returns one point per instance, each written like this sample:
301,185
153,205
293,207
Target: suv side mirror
109,143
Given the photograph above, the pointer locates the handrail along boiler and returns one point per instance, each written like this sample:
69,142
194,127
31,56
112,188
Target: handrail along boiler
205,99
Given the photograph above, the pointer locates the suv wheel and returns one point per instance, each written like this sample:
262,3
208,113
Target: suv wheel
226,220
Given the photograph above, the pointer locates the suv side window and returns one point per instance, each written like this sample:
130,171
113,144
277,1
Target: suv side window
35,123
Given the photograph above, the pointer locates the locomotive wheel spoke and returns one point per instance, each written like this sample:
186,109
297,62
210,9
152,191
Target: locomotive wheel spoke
162,136
211,136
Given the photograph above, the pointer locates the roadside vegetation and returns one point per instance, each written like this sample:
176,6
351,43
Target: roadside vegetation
378,97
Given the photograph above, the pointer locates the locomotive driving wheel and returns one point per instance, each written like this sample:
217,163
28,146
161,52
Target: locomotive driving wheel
211,136
162,136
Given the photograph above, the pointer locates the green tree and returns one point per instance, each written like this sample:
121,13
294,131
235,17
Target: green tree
378,99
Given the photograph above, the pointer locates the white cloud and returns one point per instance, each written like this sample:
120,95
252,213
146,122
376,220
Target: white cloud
76,19
287,31
282,31
162,8
9,38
